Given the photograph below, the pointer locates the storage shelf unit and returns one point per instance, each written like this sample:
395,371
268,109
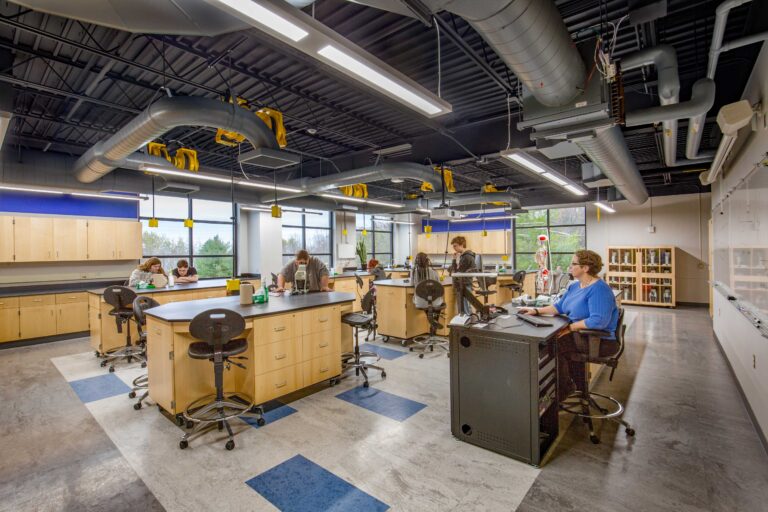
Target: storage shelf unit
646,275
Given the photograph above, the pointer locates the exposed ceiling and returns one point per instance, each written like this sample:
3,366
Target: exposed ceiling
77,83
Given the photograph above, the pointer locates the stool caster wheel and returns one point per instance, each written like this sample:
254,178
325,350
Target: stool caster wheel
96,353
103,363
190,424
183,444
594,439
431,348
383,375
421,356
630,431
261,422
137,406
132,394
111,369
404,342
230,445
365,384
144,364
179,420
410,349
386,339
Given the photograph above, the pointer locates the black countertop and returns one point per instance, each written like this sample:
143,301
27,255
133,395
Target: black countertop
18,290
181,287
186,311
343,275
407,283
514,328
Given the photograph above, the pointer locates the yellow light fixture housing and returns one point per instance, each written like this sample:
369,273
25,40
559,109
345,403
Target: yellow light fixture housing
277,212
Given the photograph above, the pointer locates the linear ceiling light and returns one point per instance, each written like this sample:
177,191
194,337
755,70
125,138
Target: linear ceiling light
476,219
526,162
379,80
267,186
519,157
108,196
576,190
186,174
302,32
265,18
604,207
392,221
554,179
359,200
34,190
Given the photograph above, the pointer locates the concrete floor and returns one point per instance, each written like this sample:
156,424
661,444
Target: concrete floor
695,447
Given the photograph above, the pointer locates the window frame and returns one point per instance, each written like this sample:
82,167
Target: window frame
373,232
548,228
304,228
191,240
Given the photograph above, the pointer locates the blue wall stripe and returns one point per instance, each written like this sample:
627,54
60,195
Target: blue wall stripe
441,226
23,202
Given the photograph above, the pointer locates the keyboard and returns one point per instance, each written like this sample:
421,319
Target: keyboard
534,320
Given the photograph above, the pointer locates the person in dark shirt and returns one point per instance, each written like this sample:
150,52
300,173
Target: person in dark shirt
184,273
463,261
317,273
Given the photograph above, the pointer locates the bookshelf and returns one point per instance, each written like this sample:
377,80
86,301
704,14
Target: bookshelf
646,275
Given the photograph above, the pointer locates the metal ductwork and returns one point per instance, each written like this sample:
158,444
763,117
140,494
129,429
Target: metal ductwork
159,118
664,59
608,150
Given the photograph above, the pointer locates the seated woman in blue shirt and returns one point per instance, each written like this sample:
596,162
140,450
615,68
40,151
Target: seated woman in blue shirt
589,304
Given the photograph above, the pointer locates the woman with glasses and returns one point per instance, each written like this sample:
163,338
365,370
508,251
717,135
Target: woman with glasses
589,304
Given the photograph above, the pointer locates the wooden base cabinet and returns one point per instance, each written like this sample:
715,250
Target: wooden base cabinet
9,324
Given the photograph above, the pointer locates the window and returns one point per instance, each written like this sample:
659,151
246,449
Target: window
565,227
310,230
378,237
208,246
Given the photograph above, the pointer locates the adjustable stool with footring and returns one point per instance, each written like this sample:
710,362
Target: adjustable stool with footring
121,299
141,304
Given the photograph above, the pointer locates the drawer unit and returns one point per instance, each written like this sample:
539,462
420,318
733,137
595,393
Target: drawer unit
320,319
71,298
274,328
9,302
273,356
277,383
321,368
321,344
37,300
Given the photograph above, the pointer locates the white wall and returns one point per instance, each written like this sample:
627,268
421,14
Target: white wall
340,238
681,221
744,346
405,238
262,234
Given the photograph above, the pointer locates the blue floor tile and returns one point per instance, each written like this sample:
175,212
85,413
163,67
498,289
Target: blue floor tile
381,402
273,411
384,352
96,388
300,485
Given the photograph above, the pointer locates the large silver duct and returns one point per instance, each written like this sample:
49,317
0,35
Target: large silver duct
664,59
608,150
159,118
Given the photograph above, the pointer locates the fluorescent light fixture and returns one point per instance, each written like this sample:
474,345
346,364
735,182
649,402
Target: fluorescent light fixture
384,203
392,221
576,190
401,148
379,80
256,184
32,190
480,219
108,196
252,209
604,207
359,200
5,122
424,210
265,18
554,179
186,174
525,161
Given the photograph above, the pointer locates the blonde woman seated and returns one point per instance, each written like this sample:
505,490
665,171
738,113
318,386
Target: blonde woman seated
146,272
422,271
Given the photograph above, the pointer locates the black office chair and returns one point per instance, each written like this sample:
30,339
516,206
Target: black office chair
562,283
121,299
590,347
218,331
140,305
430,290
365,319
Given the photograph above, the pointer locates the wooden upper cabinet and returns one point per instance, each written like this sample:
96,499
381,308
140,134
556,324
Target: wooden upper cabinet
127,239
70,239
101,240
6,239
33,237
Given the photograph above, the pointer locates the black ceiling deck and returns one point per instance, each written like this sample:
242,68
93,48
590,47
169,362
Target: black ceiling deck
78,83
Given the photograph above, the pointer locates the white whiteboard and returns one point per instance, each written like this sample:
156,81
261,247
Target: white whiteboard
740,229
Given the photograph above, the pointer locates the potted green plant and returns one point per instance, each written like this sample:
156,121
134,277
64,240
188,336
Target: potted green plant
362,253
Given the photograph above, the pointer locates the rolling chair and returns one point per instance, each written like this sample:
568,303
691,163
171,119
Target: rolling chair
217,330
140,305
121,299
562,284
582,401
518,278
430,290
364,319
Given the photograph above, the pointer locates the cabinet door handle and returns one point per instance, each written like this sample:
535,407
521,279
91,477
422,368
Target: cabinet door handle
323,370
323,320
281,384
281,356
280,328
323,345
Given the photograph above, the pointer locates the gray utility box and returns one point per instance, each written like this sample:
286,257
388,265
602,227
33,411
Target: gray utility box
504,387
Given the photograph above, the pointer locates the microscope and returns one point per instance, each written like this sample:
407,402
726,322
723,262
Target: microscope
300,281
